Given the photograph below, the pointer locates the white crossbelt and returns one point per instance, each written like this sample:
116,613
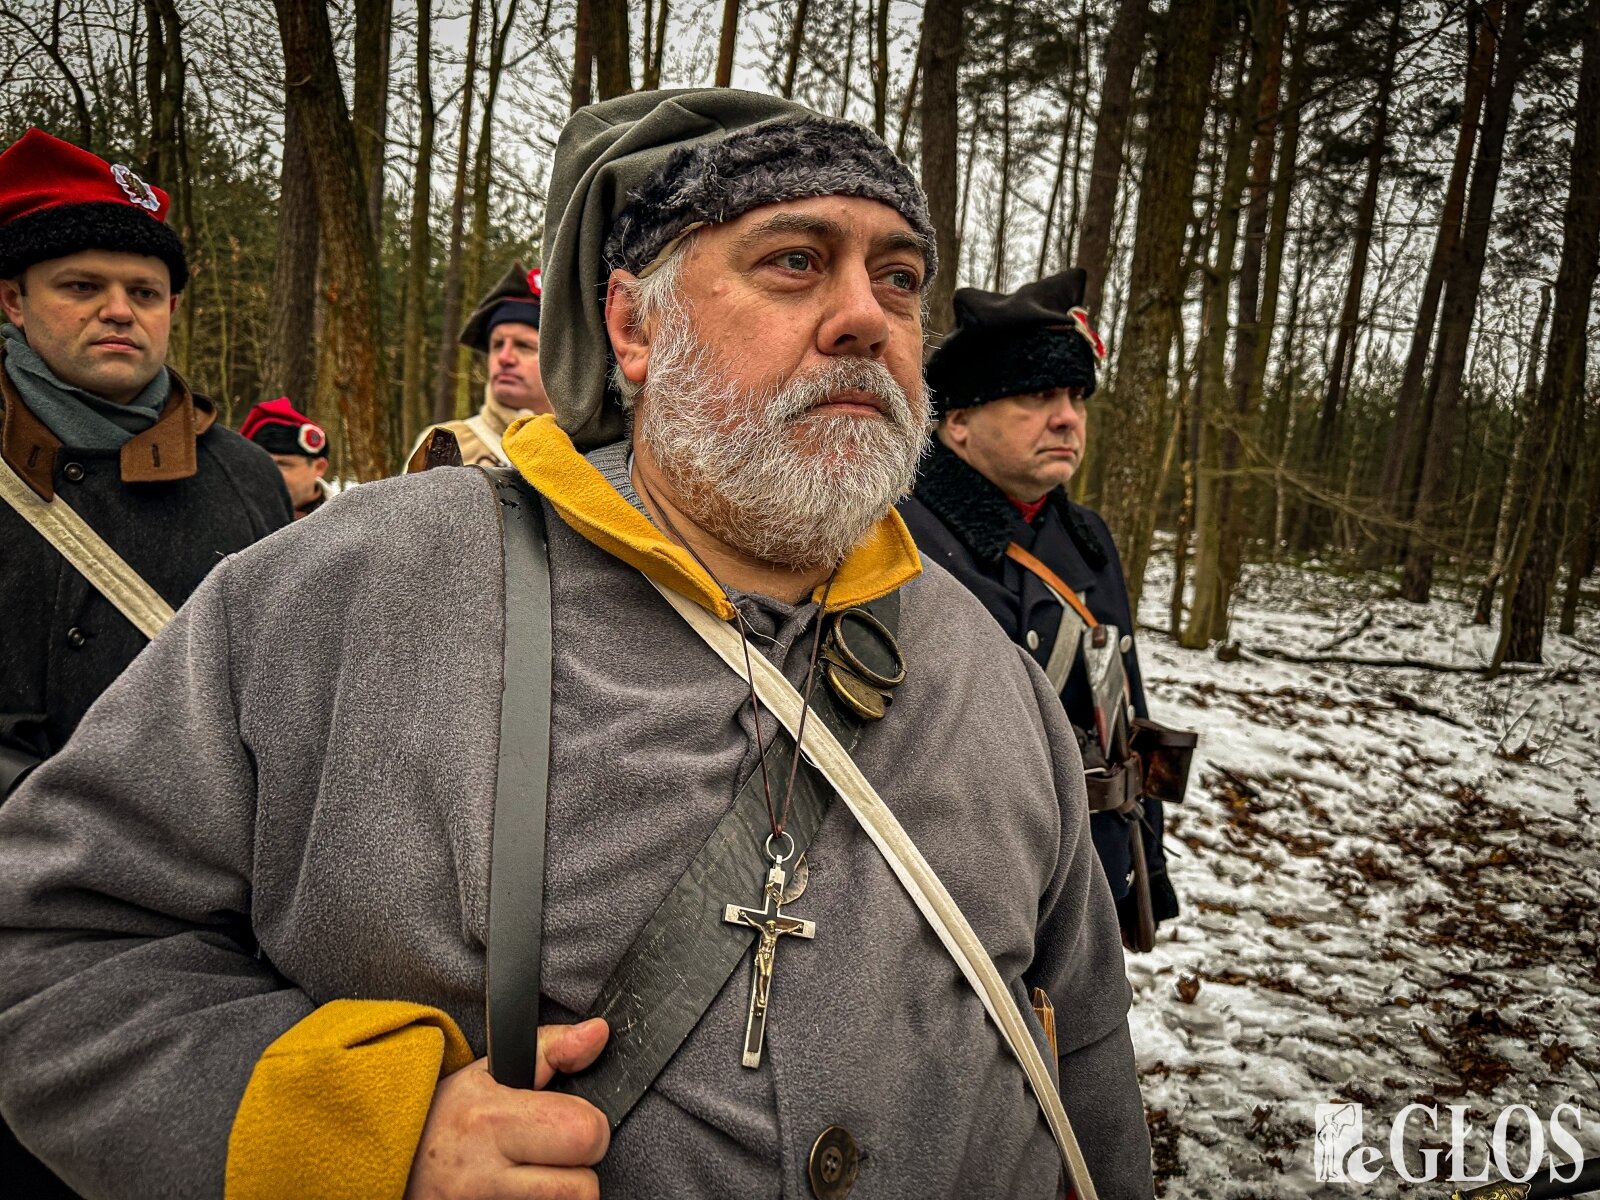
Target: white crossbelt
87,551
488,437
824,752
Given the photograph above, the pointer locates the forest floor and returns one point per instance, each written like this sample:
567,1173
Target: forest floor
1389,878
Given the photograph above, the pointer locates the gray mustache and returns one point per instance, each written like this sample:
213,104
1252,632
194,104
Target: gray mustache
804,392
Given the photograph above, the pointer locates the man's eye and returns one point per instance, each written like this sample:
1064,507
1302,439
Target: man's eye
905,280
794,260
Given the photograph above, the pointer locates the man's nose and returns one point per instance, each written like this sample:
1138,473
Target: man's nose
856,322
116,309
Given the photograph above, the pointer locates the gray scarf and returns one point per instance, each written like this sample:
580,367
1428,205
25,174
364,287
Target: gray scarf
82,420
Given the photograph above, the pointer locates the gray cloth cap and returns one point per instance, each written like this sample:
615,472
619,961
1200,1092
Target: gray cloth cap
610,153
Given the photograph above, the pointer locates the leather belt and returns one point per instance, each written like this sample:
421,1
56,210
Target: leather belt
1115,788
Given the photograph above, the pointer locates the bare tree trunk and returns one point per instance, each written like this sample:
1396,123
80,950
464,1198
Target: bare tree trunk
880,69
1157,276
1003,219
444,380
1581,542
353,332
653,76
291,356
1056,182
1219,440
1527,585
1402,457
1459,305
730,36
941,61
908,103
1124,49
371,106
1513,496
849,58
613,71
1314,530
582,54
482,173
419,247
797,34
168,161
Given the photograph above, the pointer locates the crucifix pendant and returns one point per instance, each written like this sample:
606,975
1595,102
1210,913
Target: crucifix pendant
771,924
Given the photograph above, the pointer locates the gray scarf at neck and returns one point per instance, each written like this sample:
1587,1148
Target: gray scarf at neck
82,420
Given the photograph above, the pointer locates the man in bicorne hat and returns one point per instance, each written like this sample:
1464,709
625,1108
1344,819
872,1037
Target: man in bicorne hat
93,420
1010,387
280,831
505,329
298,445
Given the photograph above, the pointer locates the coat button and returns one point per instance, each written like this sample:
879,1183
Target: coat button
835,1159
76,637
1033,639
73,472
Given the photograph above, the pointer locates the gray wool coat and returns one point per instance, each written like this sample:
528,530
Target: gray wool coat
288,798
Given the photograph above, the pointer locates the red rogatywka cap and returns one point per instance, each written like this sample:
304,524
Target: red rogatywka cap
57,199
279,428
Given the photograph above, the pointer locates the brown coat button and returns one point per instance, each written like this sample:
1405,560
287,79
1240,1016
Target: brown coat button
73,471
835,1159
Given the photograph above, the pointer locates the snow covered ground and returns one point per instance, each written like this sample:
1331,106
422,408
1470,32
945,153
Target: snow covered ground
1390,880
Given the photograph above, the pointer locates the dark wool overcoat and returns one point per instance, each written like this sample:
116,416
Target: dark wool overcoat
61,641
963,522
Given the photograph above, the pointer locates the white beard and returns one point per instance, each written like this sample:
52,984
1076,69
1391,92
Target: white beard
754,471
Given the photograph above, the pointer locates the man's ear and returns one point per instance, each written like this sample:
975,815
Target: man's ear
172,304
11,300
952,428
319,467
629,342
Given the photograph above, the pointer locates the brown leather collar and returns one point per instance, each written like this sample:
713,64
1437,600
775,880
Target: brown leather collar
164,452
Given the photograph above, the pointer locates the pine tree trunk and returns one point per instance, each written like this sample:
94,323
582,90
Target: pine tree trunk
420,243
1314,524
797,34
353,332
291,357
1459,304
482,173
1156,278
370,110
444,380
1124,49
613,69
880,69
1581,543
1514,494
1403,453
1522,624
1003,218
941,61
1219,439
582,54
730,37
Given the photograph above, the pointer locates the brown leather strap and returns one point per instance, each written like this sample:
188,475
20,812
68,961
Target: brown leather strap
1058,585
1115,788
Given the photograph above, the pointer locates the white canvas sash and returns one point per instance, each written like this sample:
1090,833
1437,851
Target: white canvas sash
88,552
487,436
927,891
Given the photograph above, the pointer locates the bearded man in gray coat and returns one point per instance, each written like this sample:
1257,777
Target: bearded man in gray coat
245,914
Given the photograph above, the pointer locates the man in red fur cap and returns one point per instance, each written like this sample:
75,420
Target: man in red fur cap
92,420
298,445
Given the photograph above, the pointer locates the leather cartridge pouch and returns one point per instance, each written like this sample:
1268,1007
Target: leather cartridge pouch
1167,754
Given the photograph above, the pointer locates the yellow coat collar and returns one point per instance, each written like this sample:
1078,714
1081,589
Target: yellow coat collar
882,561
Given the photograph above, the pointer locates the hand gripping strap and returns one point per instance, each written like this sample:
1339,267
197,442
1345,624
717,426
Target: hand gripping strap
516,861
918,878
88,553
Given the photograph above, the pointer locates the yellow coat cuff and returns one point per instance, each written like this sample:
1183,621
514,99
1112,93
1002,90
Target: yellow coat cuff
335,1107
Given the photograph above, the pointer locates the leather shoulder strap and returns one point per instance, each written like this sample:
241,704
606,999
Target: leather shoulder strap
88,553
1030,562
522,786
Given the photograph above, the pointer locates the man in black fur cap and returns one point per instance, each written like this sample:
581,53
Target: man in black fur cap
1009,387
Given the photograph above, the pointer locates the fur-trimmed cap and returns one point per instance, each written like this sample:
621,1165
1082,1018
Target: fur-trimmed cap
634,173
785,158
56,200
1014,344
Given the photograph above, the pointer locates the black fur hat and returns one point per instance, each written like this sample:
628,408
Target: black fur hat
790,158
1030,340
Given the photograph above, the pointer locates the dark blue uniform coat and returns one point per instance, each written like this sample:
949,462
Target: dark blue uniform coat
963,522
